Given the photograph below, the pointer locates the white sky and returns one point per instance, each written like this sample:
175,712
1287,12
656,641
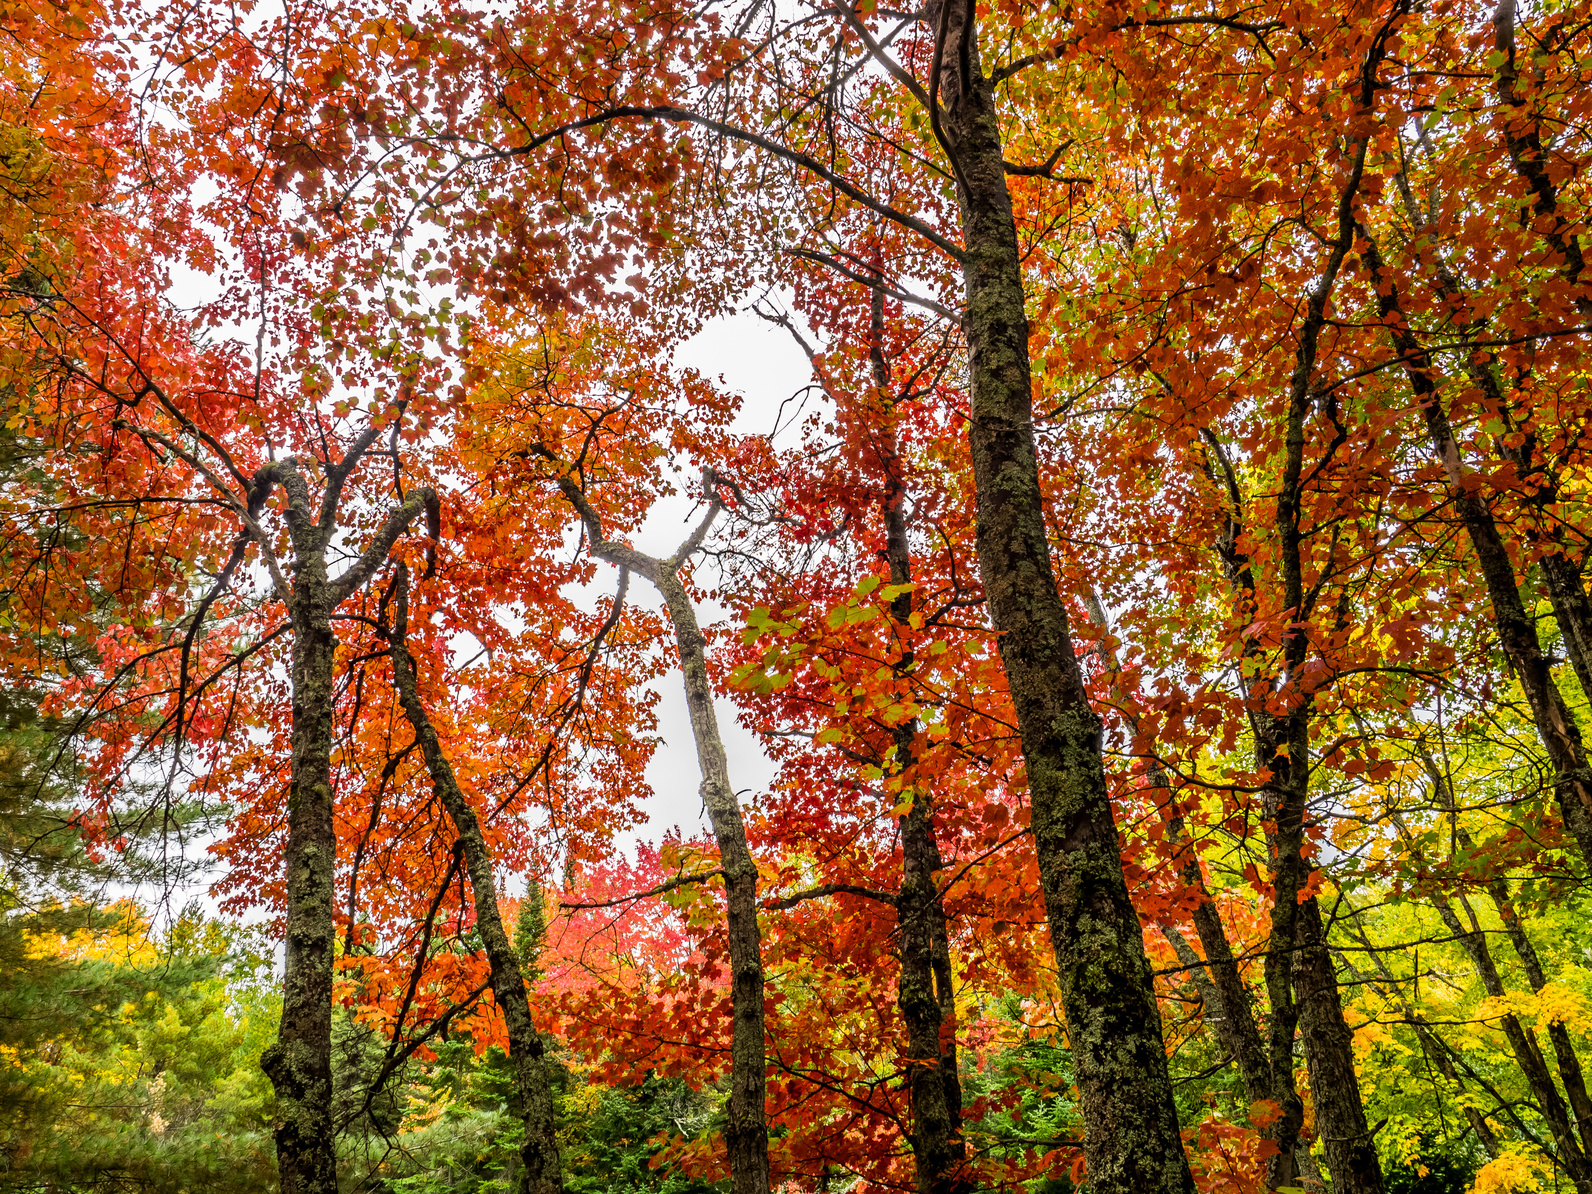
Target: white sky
763,364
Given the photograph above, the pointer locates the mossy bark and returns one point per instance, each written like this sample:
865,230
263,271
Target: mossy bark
1132,1140
540,1169
299,1062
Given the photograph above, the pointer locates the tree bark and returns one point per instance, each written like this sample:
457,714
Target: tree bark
1298,943
1566,587
1131,1137
1301,985
540,1169
924,993
746,1134
1329,1052
299,1062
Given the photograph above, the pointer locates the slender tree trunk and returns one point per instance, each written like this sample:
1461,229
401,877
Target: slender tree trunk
1524,142
746,1135
925,992
1131,1138
540,1171
1572,609
1517,633
1566,587
1329,1052
1284,804
1296,954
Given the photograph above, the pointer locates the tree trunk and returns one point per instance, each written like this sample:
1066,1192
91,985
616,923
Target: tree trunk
299,1063
1572,609
1296,953
540,1171
1517,633
1131,1137
924,991
1329,1052
746,1134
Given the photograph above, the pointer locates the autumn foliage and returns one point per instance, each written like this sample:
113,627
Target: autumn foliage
1162,600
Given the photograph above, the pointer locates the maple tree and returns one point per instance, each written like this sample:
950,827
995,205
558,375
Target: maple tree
1152,613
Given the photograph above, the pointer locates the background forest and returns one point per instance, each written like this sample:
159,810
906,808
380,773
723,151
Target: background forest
1162,601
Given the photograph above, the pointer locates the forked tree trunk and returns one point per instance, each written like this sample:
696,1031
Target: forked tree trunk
746,1134
299,1062
540,1171
1301,985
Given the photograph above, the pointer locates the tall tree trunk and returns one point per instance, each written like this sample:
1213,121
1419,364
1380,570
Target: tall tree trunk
1301,985
1517,633
747,1132
1298,944
1113,1026
540,1171
1566,587
925,992
299,1062
1523,139
746,1135
1131,1137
